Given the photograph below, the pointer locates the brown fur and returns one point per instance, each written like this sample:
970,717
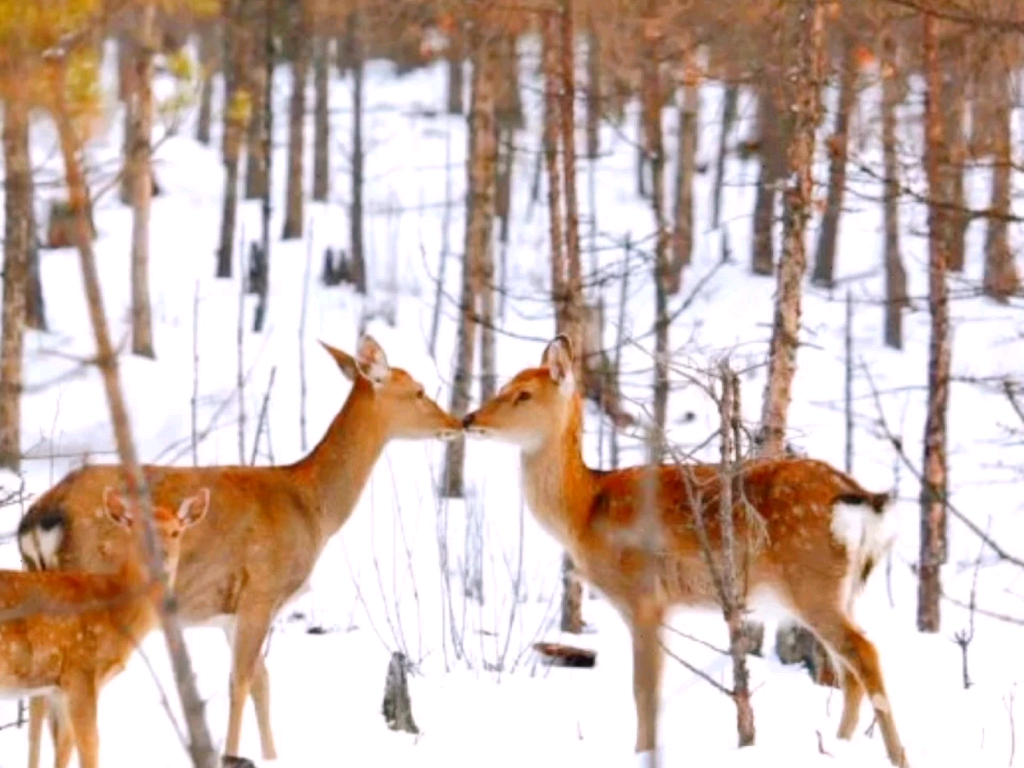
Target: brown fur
71,632
266,526
790,549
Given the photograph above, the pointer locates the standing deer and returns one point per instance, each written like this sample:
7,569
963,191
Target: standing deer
267,525
821,535
64,634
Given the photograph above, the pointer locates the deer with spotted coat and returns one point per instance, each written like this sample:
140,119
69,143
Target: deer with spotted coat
65,634
266,527
819,536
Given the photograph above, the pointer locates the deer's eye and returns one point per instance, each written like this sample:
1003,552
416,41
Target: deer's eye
522,397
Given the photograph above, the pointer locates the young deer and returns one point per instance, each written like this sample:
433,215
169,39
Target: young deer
824,534
266,526
64,634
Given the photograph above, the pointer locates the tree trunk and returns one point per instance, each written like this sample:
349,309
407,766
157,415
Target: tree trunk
593,94
933,487
686,169
730,104
483,152
456,83
236,115
293,212
509,99
208,63
266,133
895,275
954,102
142,186
257,166
355,217
321,119
17,243
1000,279
806,98
838,146
549,137
773,140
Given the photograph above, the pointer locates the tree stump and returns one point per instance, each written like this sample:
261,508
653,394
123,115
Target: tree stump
60,229
559,655
796,645
397,707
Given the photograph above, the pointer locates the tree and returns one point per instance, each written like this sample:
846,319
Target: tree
142,182
321,118
300,50
895,274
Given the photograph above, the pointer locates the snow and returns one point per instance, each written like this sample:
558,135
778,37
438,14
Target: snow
385,582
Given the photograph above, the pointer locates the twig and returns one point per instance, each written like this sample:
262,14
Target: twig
302,340
195,377
263,416
239,341
698,672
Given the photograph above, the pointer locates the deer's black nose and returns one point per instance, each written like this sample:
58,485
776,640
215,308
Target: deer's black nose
468,420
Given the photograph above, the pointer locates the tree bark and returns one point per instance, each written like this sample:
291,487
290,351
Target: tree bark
838,146
321,119
356,205
806,98
954,102
455,55
208,62
257,164
549,137
730,104
481,180
127,71
17,243
236,114
686,168
142,186
1000,280
895,274
294,200
933,487
773,139
593,95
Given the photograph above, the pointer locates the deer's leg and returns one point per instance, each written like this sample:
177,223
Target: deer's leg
61,731
859,655
853,695
260,694
81,702
251,629
645,626
37,711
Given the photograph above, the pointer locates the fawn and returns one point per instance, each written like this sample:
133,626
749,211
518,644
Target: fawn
823,535
64,634
266,527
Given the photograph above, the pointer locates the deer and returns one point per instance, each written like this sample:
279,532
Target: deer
265,529
65,634
823,535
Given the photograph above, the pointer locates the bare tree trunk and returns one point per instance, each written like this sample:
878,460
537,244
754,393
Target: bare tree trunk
509,99
321,118
1000,280
686,168
238,34
266,133
208,63
549,63
455,56
933,487
483,155
142,186
356,205
593,93
895,274
954,103
200,745
772,137
17,242
127,71
838,144
730,104
806,98
257,174
293,211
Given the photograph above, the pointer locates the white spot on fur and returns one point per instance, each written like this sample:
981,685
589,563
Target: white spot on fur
880,703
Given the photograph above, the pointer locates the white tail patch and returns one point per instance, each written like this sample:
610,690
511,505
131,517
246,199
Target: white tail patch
40,546
867,536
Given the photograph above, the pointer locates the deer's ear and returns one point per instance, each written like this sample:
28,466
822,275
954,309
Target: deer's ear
371,361
557,358
193,509
115,508
345,361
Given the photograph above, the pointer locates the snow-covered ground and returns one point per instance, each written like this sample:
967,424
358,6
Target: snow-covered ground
380,584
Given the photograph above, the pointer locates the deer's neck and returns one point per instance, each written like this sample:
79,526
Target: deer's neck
341,463
558,485
138,614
